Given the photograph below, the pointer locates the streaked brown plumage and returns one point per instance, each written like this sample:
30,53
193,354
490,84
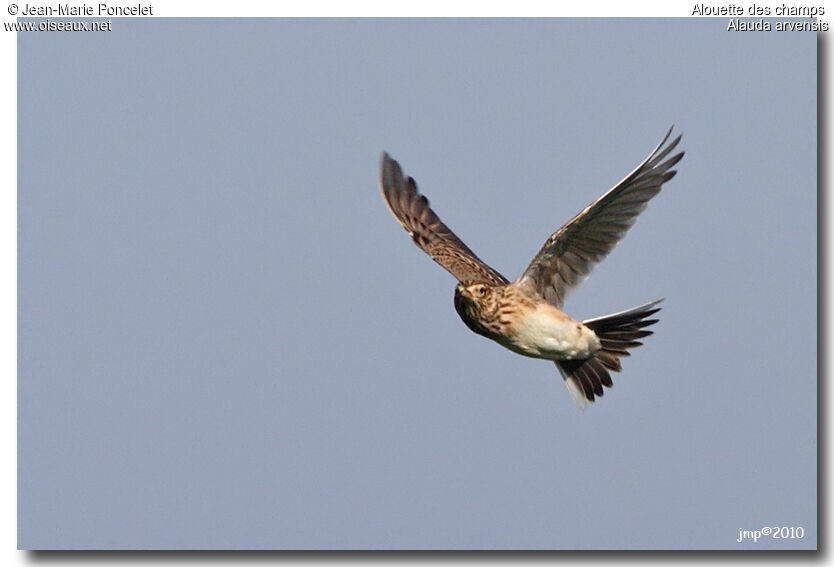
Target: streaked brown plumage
525,315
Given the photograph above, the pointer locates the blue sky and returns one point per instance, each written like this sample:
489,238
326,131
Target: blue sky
225,341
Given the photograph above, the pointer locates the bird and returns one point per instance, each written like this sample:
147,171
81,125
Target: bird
526,315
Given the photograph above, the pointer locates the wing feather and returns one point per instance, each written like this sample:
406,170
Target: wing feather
412,211
572,251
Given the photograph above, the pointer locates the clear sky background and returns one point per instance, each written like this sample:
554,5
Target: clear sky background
225,341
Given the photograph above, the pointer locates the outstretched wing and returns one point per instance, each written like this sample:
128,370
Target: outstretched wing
572,251
412,211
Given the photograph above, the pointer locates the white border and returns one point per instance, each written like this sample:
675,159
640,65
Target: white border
8,210
389,8
8,297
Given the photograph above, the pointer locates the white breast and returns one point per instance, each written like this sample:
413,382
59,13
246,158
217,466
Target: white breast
547,333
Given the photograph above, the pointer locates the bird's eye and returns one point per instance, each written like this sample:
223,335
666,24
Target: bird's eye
482,291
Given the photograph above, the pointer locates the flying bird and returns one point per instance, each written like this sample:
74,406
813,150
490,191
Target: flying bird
526,315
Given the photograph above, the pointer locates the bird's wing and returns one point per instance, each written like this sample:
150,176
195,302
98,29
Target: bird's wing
572,251
412,211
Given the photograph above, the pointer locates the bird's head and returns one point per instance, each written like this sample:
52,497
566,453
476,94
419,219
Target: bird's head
473,301
473,297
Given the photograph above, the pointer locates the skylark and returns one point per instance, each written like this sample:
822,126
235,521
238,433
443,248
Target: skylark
525,316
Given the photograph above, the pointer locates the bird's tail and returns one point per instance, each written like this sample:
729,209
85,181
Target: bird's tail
618,333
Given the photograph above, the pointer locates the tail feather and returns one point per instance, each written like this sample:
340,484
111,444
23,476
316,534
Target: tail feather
617,334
